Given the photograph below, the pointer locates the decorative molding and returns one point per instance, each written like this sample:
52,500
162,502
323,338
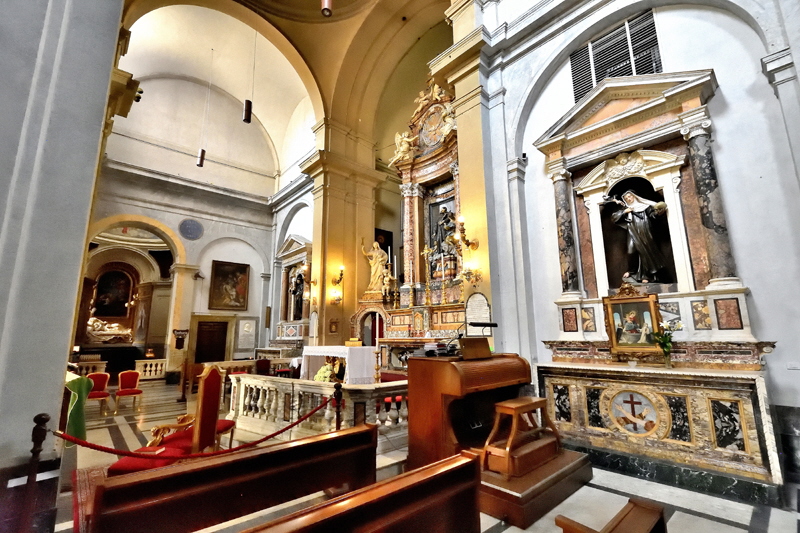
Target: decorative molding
695,122
639,163
779,68
516,169
411,189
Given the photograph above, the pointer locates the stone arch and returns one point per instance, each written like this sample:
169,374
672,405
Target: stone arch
287,221
135,9
753,14
357,320
139,221
145,265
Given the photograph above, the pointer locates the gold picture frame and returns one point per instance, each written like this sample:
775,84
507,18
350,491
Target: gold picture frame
631,320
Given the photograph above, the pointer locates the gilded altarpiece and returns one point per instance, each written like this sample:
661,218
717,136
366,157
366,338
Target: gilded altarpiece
638,204
434,284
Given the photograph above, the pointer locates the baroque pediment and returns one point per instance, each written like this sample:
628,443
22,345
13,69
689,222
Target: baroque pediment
641,163
627,106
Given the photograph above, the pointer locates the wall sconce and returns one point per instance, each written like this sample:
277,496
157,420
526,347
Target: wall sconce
338,280
133,301
336,297
462,235
306,296
470,275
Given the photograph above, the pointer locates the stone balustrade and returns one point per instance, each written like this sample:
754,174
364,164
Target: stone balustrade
265,404
151,368
87,367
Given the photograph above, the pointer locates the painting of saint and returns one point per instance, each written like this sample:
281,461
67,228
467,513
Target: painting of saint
633,324
113,294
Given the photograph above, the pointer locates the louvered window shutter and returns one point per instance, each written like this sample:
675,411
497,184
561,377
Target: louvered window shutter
629,49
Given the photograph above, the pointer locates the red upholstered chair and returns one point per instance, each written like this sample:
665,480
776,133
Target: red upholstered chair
192,433
99,392
128,387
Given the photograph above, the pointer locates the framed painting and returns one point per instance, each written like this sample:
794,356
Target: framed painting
229,286
631,319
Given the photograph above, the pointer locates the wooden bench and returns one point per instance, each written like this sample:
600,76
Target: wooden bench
638,516
438,498
194,495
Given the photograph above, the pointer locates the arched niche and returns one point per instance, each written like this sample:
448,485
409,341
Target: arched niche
642,170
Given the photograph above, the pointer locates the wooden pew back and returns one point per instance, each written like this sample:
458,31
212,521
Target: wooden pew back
194,495
439,498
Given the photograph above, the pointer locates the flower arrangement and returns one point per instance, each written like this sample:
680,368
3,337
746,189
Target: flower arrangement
664,337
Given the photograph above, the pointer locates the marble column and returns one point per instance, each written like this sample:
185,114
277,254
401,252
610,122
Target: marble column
697,131
567,252
780,70
284,295
413,240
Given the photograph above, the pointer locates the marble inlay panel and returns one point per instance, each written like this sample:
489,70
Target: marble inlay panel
701,315
593,416
587,316
569,316
562,407
728,428
669,415
670,312
680,429
729,316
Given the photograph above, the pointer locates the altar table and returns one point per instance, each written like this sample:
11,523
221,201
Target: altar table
359,360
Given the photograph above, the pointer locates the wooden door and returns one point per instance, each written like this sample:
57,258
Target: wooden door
212,340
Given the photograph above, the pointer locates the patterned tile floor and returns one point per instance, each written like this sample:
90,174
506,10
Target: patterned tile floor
592,505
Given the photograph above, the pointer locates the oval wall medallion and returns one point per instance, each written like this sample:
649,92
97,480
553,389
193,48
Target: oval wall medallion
191,229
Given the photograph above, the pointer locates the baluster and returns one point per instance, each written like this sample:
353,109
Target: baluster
393,414
254,401
274,406
234,396
382,416
248,396
329,416
404,411
262,398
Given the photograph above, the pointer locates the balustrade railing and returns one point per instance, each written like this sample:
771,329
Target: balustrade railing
87,367
264,404
151,368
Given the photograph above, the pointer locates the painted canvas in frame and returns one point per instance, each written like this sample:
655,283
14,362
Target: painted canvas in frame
630,322
229,286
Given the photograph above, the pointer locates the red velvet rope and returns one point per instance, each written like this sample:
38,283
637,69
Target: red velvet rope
144,455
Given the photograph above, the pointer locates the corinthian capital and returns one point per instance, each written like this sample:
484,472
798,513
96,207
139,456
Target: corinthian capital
411,189
559,174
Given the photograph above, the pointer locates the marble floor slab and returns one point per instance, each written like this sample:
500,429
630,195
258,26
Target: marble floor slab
592,505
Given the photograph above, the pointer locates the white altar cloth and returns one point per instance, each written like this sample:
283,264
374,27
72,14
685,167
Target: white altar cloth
360,361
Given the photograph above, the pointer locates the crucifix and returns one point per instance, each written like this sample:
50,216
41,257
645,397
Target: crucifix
426,252
633,403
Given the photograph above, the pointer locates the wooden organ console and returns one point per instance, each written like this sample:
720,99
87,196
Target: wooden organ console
452,404
455,410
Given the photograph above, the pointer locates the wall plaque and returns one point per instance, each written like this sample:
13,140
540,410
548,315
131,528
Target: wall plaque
191,229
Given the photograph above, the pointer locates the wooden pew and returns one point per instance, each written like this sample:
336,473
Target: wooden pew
201,493
439,498
638,516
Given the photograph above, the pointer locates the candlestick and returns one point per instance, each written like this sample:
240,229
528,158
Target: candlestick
390,252
441,261
395,267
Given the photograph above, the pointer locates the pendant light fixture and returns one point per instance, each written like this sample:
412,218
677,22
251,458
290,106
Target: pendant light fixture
201,153
247,114
327,8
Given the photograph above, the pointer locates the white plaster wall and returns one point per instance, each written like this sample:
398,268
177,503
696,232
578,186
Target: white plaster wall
164,131
755,172
301,223
753,164
298,141
231,251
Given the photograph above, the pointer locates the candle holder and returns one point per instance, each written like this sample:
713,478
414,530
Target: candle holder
396,298
428,293
443,299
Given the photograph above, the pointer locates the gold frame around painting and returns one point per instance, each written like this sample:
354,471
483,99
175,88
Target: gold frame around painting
230,283
632,337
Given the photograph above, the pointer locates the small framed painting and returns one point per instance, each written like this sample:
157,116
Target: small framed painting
631,320
229,286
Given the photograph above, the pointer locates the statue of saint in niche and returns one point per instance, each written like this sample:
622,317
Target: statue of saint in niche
297,296
645,259
444,233
377,261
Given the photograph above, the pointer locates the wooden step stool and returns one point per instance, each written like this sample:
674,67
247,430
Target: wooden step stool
523,450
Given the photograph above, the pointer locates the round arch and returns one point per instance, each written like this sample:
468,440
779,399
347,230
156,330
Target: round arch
749,11
135,9
283,232
357,320
141,222
144,264
233,237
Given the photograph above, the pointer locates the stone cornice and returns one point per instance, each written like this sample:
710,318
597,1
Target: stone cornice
322,161
294,190
460,58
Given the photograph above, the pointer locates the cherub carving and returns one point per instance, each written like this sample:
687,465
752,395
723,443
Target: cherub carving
625,165
405,149
448,120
